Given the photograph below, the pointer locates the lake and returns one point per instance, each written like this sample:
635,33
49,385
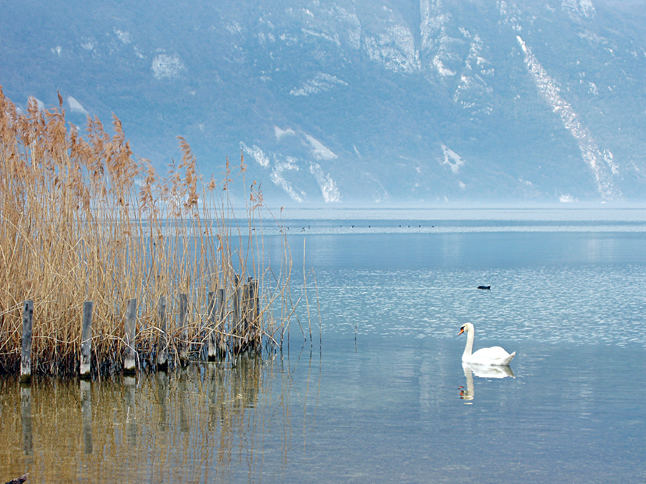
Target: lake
380,394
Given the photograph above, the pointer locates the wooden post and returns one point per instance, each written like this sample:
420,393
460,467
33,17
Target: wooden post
235,326
86,340
183,313
86,412
222,343
212,348
162,338
256,301
246,315
25,356
130,358
254,321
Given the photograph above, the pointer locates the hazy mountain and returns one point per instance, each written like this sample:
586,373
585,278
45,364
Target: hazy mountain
357,100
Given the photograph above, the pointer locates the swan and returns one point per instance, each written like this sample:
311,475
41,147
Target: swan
494,356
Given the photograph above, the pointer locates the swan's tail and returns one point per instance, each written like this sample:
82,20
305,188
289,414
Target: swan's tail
509,358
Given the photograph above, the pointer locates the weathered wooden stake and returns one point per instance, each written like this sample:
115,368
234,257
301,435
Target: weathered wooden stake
235,326
212,348
254,314
183,314
256,302
221,303
130,358
86,340
25,356
162,339
246,315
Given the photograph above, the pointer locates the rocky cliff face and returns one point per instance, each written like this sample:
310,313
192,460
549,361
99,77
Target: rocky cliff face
359,101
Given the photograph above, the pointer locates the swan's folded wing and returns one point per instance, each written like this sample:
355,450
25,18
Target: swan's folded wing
495,355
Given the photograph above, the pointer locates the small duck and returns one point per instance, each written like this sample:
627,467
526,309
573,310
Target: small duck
18,480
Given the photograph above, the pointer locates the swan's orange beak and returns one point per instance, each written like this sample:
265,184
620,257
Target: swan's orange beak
461,331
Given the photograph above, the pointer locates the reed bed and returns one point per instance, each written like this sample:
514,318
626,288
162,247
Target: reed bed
82,219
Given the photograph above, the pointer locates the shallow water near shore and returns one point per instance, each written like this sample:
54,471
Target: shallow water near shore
385,397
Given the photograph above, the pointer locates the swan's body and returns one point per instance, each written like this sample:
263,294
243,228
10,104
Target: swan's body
494,356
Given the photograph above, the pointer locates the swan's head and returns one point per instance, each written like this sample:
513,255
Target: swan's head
465,328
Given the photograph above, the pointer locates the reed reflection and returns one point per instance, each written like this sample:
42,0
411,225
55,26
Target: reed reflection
206,422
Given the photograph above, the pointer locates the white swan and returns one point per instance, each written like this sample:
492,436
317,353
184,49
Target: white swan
494,356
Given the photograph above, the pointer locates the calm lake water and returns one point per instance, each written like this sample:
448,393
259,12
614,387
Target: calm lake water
384,397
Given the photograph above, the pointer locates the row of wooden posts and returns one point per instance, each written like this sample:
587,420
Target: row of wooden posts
246,310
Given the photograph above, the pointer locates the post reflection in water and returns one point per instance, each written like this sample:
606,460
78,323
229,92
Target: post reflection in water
205,422
129,383
25,416
86,409
162,399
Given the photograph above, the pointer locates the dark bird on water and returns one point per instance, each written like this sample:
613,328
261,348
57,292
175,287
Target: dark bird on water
18,480
487,288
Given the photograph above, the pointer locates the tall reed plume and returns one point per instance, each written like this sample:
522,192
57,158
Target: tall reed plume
82,219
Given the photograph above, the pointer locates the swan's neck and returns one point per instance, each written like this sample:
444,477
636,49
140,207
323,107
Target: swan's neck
468,349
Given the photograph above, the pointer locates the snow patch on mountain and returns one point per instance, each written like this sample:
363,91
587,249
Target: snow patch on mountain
439,51
278,178
328,187
76,106
256,153
88,44
432,23
567,198
579,8
473,92
319,150
232,27
166,66
510,15
281,133
601,162
452,159
330,38
442,70
123,36
394,48
332,23
321,82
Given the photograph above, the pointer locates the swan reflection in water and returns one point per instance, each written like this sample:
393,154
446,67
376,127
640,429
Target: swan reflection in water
481,371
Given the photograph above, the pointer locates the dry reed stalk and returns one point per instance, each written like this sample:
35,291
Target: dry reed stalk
81,219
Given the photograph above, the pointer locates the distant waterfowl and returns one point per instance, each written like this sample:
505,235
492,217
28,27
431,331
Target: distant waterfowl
494,356
486,288
18,480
